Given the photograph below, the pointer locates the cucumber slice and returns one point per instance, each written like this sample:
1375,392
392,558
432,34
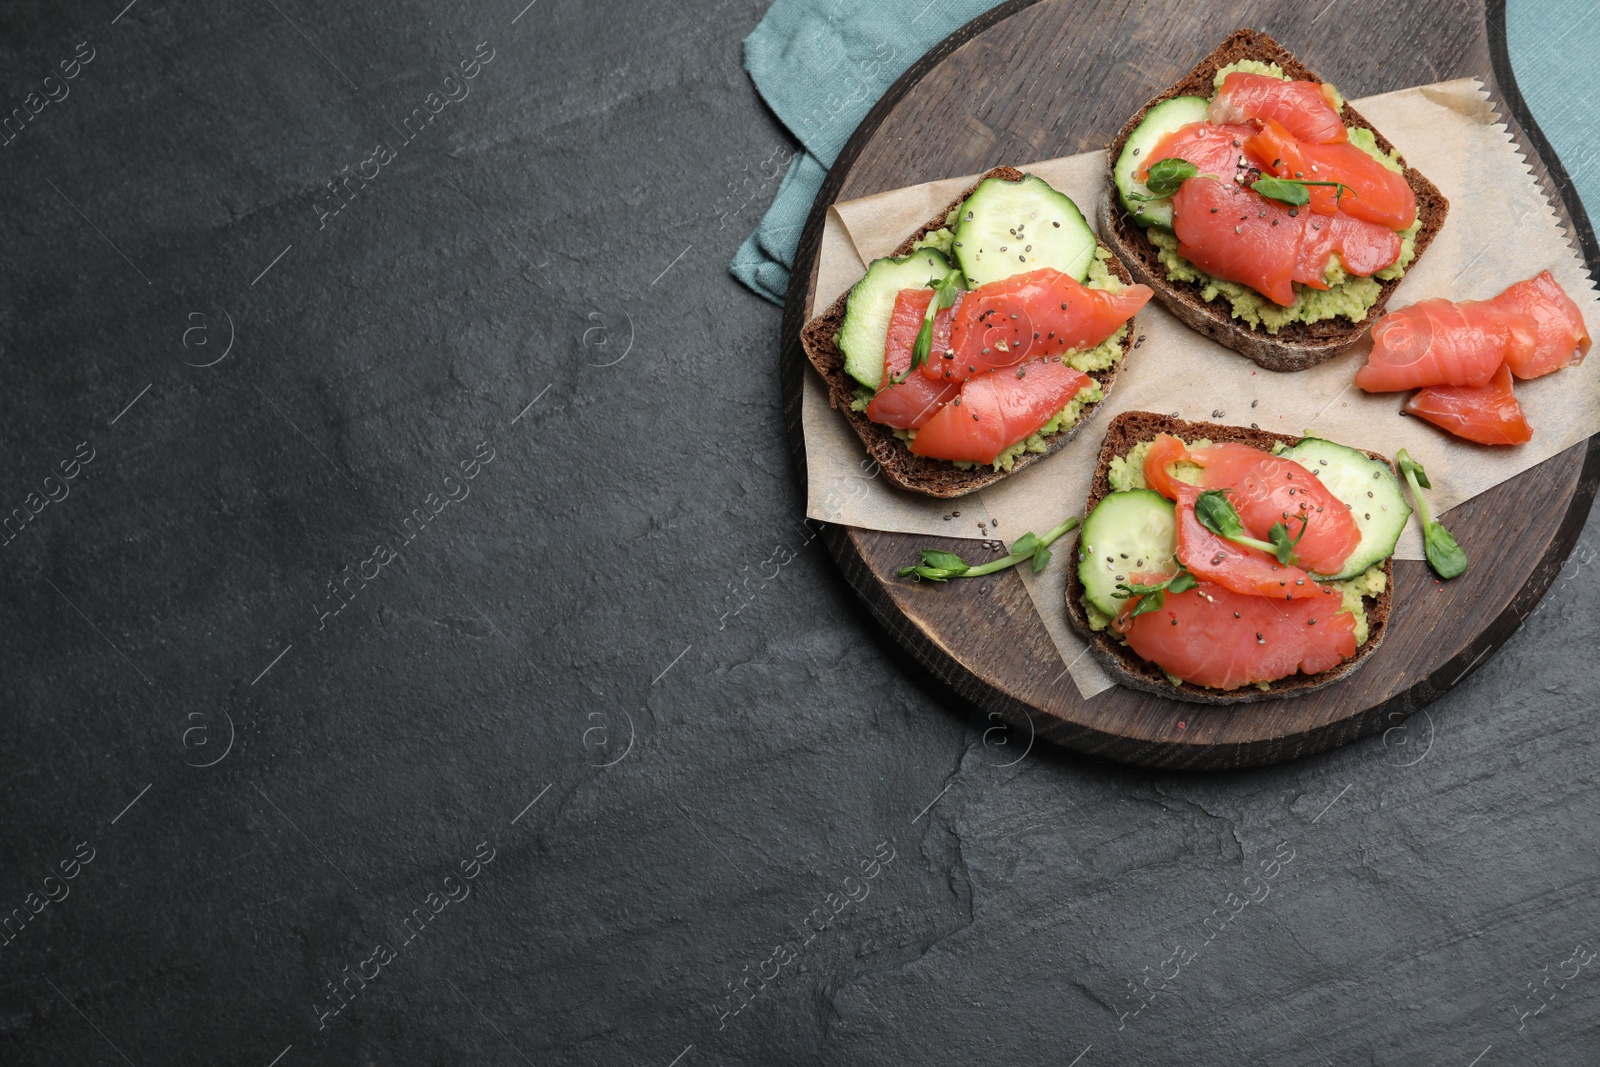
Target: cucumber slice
1006,228
864,333
1127,533
1369,487
1161,120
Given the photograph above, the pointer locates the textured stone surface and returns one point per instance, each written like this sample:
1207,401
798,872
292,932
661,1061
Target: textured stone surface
626,582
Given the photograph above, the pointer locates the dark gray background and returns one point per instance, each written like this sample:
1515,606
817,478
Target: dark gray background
615,589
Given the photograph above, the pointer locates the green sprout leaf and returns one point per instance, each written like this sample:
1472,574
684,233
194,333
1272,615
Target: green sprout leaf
1149,602
1444,555
1025,545
949,560
1284,189
1283,547
1217,515
1294,192
1153,597
1164,177
1167,174
938,566
1409,466
923,346
945,291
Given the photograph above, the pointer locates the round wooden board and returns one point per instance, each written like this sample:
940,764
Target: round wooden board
1036,79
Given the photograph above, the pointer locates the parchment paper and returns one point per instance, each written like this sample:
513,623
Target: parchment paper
1501,229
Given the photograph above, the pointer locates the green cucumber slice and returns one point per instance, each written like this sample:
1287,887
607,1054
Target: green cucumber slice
1127,533
864,332
1007,228
1369,487
1159,121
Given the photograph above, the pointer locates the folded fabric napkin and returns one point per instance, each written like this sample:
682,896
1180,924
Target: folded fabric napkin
1551,44
821,65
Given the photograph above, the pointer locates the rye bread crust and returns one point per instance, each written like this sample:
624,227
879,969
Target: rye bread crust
1298,345
1121,662
933,477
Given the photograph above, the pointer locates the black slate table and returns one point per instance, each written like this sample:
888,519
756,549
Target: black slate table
414,653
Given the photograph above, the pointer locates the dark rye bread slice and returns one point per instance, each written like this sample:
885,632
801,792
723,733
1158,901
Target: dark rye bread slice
1298,345
1121,662
934,477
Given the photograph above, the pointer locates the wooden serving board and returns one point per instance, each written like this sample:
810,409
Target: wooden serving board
1036,79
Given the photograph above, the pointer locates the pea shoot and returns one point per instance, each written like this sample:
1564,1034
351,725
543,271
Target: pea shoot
1444,555
1153,596
938,566
945,291
1295,192
1217,515
1164,177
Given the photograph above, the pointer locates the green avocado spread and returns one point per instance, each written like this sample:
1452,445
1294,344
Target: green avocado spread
1348,296
1248,66
940,239
1127,472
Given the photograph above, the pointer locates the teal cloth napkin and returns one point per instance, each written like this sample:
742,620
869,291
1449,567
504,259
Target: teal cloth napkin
1552,44
821,65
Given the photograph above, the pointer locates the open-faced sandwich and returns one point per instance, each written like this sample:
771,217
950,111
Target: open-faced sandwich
1262,209
1222,564
983,343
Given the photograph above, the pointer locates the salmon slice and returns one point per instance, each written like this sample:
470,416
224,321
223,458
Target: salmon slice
1279,490
1376,193
1438,342
1029,317
1264,489
1214,150
1214,637
1223,463
1278,153
1316,248
1247,571
1305,108
998,409
1364,248
1562,338
1488,414
1164,451
1237,234
914,401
